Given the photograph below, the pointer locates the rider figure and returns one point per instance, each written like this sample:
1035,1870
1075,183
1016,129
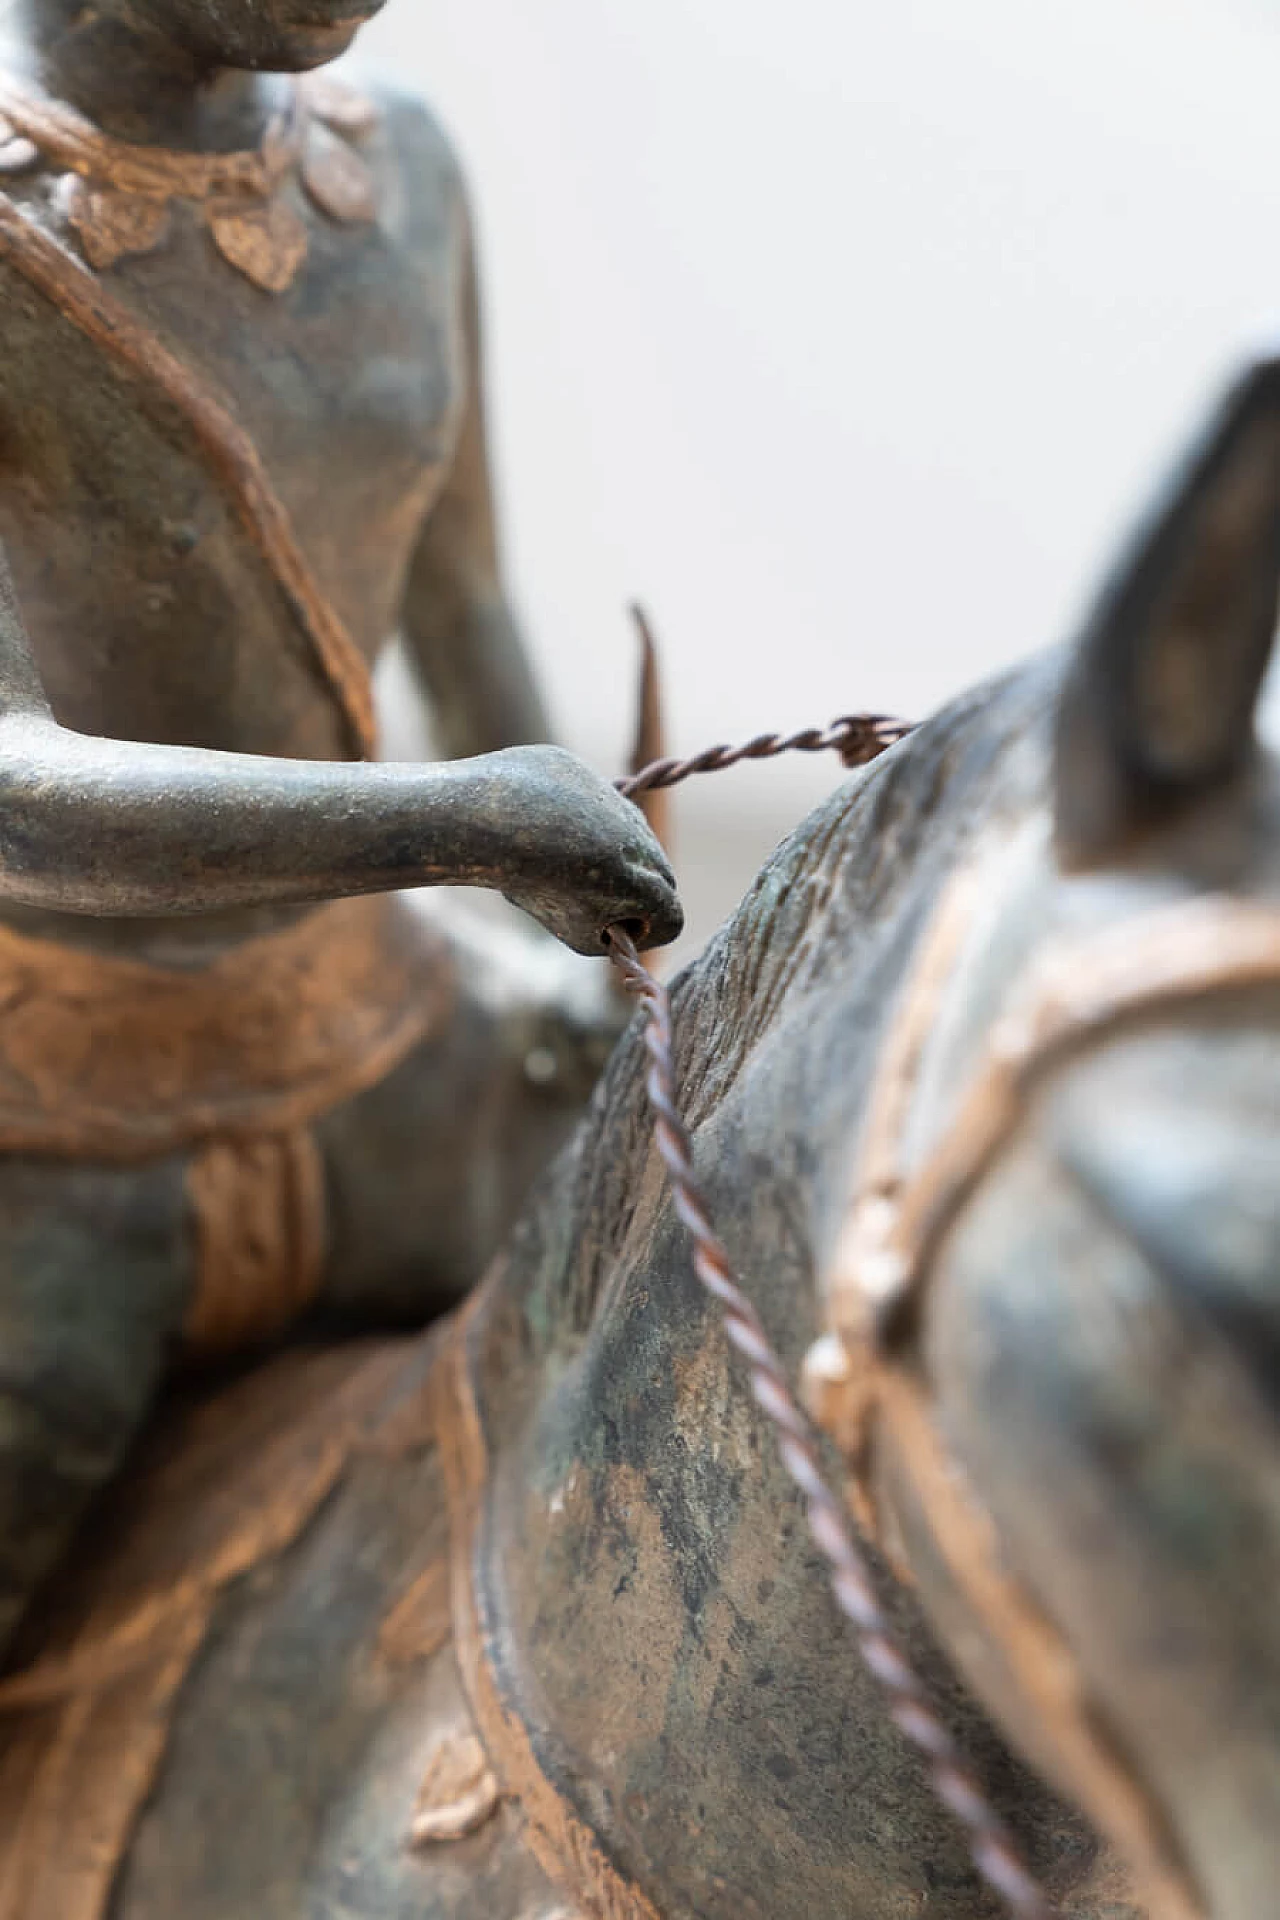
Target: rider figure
241,443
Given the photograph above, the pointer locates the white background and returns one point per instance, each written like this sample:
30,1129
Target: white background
847,333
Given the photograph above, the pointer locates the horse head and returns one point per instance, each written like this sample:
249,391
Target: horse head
1056,1320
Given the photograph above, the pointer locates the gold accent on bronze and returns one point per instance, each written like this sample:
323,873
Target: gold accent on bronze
259,1215
232,457
339,105
868,1273
85,1728
338,180
1077,993
108,1058
420,1622
111,224
105,1058
839,1383
1042,1664
120,202
273,1464
458,1791
266,243
75,1777
17,153
566,1849
158,173
1074,995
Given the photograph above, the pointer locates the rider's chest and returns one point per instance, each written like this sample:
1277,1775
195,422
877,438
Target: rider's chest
348,383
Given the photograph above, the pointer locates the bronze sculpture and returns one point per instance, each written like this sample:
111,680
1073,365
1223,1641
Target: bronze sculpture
519,1617
516,1617
243,439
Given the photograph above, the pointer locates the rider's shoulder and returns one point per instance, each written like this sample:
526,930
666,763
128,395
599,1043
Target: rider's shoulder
401,116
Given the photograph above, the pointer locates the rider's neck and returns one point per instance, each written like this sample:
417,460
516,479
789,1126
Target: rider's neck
134,84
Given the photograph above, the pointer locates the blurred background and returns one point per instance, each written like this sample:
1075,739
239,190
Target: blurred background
846,335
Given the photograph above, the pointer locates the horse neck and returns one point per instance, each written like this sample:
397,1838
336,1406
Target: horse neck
782,1026
778,1022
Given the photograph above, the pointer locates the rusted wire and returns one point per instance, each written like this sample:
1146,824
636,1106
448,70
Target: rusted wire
857,738
991,1846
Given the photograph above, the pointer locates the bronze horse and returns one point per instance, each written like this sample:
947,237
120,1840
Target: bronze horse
519,1618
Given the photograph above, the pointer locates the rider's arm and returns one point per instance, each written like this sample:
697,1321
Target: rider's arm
90,825
455,619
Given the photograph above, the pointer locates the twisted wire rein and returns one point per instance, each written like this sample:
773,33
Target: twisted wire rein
856,737
991,1846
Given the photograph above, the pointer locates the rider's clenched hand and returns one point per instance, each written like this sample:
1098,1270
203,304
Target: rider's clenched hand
580,857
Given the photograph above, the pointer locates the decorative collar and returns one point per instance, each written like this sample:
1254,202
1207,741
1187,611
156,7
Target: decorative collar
117,197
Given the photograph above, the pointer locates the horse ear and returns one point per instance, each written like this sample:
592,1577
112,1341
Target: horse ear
1158,702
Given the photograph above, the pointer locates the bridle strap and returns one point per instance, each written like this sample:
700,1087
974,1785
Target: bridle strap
1073,997
1087,1761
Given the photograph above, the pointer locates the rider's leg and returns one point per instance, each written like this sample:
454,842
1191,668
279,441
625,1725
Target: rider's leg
95,1274
426,1172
